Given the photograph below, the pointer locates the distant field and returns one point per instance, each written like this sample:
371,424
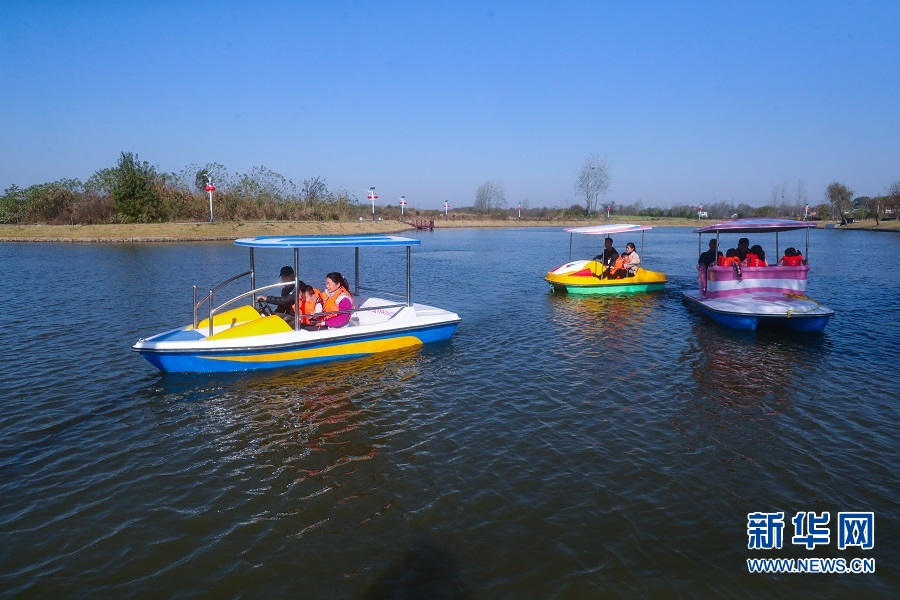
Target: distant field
173,232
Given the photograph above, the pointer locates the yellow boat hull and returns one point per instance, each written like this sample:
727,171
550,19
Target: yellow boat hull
581,277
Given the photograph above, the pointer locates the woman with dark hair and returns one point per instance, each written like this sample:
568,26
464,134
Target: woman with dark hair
757,256
336,297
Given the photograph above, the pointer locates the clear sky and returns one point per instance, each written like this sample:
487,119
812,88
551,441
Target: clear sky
688,102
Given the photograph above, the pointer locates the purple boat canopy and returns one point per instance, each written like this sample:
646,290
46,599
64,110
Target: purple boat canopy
755,226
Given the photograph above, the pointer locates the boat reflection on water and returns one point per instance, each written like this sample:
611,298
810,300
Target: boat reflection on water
744,382
578,317
294,440
743,368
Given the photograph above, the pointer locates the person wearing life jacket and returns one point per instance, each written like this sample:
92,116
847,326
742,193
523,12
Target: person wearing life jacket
335,298
755,257
791,258
633,260
626,264
730,258
310,303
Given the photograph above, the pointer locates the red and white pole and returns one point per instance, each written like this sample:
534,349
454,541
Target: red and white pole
210,188
373,196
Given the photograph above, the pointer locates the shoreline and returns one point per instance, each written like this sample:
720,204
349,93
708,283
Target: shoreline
228,231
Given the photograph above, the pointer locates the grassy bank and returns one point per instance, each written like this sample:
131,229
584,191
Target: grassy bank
173,232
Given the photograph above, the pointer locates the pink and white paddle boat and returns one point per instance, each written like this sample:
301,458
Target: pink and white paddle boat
747,296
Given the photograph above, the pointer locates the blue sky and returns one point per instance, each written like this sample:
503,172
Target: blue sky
688,102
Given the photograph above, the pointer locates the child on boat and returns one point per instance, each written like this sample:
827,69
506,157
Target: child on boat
310,303
791,258
755,257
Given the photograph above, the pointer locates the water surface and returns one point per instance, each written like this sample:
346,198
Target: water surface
554,447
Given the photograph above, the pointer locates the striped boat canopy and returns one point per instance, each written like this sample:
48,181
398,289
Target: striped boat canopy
756,226
325,241
607,229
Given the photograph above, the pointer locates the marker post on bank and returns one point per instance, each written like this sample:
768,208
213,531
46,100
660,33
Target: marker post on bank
210,188
373,197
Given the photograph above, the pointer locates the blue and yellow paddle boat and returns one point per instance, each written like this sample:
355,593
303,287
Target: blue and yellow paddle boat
241,337
588,277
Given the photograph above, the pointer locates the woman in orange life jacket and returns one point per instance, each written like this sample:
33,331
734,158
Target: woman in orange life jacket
791,258
755,257
335,298
731,259
310,303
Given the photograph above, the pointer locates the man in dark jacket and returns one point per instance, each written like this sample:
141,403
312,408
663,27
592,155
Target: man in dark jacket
609,256
284,304
710,256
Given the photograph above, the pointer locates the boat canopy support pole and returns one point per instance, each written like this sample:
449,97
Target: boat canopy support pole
806,254
195,307
296,288
777,253
408,278
356,271
571,235
252,275
642,243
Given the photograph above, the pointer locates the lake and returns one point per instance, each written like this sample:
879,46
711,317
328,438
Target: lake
555,447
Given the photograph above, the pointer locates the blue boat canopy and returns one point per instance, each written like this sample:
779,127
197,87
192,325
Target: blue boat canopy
325,241
758,225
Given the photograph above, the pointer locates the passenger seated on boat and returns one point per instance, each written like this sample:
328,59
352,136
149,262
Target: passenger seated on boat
755,257
310,303
710,256
633,262
730,258
284,304
626,264
335,298
743,248
791,258
608,258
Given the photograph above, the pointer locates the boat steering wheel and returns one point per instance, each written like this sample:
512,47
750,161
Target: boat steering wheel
263,307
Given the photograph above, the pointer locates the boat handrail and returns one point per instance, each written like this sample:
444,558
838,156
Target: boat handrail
211,298
382,292
356,310
197,303
252,292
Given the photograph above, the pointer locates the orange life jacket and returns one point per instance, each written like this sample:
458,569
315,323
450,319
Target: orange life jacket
308,306
330,303
751,260
792,261
727,261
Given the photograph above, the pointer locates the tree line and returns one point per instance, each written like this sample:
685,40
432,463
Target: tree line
135,191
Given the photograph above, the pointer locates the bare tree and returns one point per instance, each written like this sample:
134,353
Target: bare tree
490,196
802,198
892,201
592,182
839,195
